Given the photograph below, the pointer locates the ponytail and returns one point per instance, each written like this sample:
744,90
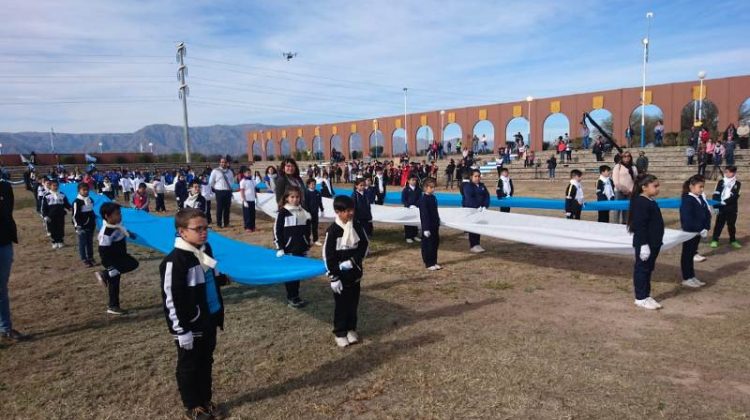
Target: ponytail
695,179
640,182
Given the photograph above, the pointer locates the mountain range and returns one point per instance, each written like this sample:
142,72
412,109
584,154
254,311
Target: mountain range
215,139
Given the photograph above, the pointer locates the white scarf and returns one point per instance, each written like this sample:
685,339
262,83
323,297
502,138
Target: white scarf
349,239
299,213
607,191
579,191
203,258
118,226
506,185
192,198
728,185
87,203
380,183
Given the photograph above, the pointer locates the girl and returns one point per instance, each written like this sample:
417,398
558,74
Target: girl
647,226
195,200
140,198
292,236
54,205
695,216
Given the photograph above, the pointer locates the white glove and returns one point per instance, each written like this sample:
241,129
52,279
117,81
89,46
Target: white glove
280,253
79,230
186,340
645,252
346,265
481,209
412,207
723,203
426,233
244,204
322,213
567,214
337,287
47,219
704,233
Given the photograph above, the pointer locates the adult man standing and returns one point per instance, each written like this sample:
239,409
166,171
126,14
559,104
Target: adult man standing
8,235
220,182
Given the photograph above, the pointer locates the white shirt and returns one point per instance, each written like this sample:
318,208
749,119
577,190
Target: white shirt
220,180
248,186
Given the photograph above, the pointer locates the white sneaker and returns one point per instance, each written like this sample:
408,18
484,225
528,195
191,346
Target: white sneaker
54,246
699,258
409,241
694,283
647,303
341,341
352,337
418,239
433,268
699,282
477,249
439,266
60,245
318,243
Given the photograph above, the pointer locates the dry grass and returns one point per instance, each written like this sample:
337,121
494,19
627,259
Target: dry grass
517,332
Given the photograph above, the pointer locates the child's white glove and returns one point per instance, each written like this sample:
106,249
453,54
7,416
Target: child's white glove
412,207
704,233
79,230
481,209
426,233
337,287
645,252
186,340
47,219
567,214
280,253
244,204
346,265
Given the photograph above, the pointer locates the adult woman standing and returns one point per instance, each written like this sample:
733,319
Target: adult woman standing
623,175
289,177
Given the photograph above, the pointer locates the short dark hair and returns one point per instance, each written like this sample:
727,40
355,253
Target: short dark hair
107,209
413,176
359,181
505,170
604,168
430,182
82,185
141,185
476,171
342,203
311,181
195,182
731,168
184,216
575,172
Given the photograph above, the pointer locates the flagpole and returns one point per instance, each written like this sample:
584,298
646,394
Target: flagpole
649,16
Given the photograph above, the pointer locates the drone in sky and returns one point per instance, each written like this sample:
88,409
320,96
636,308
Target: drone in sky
289,55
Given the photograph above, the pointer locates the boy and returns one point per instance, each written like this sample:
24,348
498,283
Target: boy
381,183
605,191
475,196
194,199
430,220
193,308
574,196
247,193
84,221
410,198
370,191
208,195
727,193
126,186
504,188
313,205
180,191
140,198
54,204
113,252
159,190
345,248
362,210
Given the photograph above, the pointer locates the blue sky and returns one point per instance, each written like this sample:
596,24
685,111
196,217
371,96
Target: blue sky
109,66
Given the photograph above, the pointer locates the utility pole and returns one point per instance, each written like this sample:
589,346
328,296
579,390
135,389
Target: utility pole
406,128
183,92
52,139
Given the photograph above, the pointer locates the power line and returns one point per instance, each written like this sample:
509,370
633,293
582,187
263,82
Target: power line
265,107
89,101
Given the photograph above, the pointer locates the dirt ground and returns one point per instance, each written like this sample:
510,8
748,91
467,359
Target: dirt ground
517,332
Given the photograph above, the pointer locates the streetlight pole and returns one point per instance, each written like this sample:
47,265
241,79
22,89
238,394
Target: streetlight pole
375,129
406,127
442,128
701,76
528,103
151,147
100,148
1,149
649,16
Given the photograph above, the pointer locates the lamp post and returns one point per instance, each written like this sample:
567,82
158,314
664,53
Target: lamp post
151,147
701,76
375,129
100,148
528,104
442,128
1,149
406,127
649,16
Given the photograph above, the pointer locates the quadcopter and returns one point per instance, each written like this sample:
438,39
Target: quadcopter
289,55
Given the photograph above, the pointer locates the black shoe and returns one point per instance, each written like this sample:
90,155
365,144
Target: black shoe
14,335
116,310
214,411
88,263
197,413
296,303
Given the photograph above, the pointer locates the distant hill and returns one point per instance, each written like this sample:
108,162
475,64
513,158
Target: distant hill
215,139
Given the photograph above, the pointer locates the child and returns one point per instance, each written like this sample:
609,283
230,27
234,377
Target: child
209,195
370,191
504,188
107,188
54,204
140,198
410,198
159,191
193,308
326,189
695,216
84,221
574,196
345,248
113,252
42,189
180,191
430,220
292,236
647,226
605,191
127,187
314,206
381,183
195,200
727,193
247,193
362,210
475,196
